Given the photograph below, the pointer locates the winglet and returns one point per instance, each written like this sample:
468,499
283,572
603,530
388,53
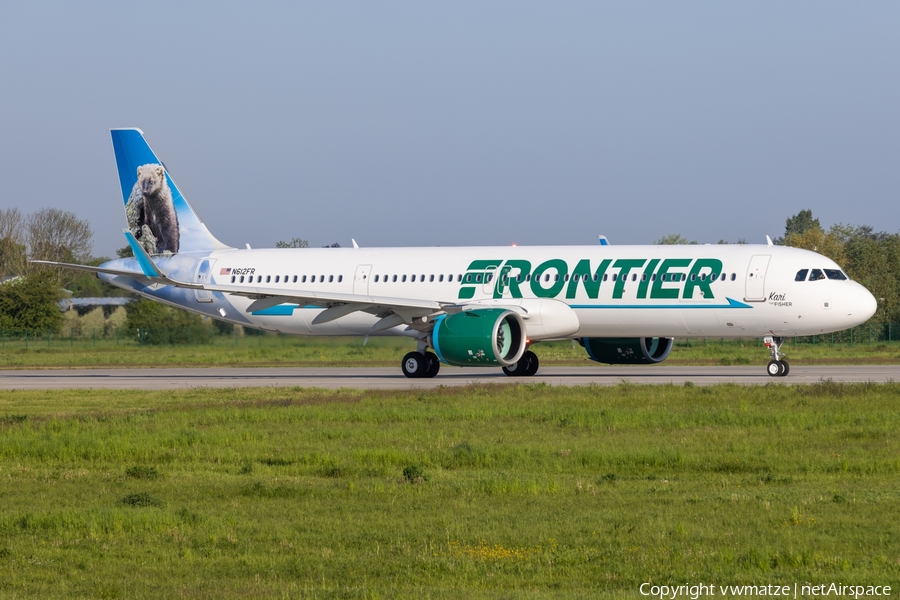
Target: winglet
149,268
146,264
603,240
769,241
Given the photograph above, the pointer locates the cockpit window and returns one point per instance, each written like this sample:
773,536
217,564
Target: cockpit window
835,274
801,275
816,275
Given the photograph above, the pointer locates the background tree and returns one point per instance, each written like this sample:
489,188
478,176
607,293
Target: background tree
800,223
829,244
60,236
12,243
673,239
30,302
294,243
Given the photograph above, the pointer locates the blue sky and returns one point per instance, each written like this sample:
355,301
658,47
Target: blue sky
403,124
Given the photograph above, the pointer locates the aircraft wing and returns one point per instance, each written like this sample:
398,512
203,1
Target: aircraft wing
393,311
90,269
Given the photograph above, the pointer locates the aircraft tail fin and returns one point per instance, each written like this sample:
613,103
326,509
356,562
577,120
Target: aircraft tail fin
159,216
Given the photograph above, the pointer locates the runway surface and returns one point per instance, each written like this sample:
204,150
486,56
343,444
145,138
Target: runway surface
391,378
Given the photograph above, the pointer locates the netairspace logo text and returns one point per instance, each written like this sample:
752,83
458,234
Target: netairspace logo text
804,590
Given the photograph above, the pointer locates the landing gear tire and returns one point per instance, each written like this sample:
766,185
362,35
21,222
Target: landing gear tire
525,367
778,368
415,365
434,365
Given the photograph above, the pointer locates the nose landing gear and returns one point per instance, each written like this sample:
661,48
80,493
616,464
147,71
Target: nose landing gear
777,367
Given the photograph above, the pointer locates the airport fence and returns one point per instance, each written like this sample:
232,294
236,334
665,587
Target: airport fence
867,334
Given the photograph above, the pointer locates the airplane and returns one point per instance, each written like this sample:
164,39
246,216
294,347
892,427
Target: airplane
476,306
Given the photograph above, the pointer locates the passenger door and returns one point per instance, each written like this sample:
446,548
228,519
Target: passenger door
755,287
361,280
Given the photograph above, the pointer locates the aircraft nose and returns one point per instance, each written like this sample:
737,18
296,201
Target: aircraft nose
864,305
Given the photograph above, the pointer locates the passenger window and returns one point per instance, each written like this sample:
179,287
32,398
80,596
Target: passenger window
615,276
835,274
331,279
693,277
422,278
441,278
801,275
478,278
606,277
295,279
644,277
242,279
277,278
733,276
413,279
596,278
816,275
394,279
634,276
519,278
303,279
232,279
459,278
403,279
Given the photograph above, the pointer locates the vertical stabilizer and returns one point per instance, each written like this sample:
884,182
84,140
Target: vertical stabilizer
159,216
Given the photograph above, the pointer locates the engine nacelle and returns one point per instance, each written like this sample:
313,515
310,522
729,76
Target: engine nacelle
628,351
482,337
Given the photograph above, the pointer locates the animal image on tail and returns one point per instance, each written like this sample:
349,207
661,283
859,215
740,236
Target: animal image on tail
151,213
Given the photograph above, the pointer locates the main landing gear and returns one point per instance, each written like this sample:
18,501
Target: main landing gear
416,365
420,364
525,367
777,367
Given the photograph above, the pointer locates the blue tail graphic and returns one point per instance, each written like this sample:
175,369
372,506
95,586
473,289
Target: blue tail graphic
159,217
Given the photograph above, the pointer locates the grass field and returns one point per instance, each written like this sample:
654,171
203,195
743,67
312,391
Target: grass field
274,350
514,491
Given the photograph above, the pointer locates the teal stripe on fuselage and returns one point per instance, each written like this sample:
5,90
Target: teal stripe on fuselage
731,304
282,310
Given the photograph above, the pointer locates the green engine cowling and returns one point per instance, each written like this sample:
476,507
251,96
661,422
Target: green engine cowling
480,337
628,351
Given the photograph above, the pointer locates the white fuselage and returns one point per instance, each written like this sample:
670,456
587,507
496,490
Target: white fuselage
614,291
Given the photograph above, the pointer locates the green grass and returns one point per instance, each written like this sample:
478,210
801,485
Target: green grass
517,491
274,350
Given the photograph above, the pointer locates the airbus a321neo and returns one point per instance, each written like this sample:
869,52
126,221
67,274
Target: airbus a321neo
477,306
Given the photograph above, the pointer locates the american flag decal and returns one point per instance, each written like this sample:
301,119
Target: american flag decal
225,271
